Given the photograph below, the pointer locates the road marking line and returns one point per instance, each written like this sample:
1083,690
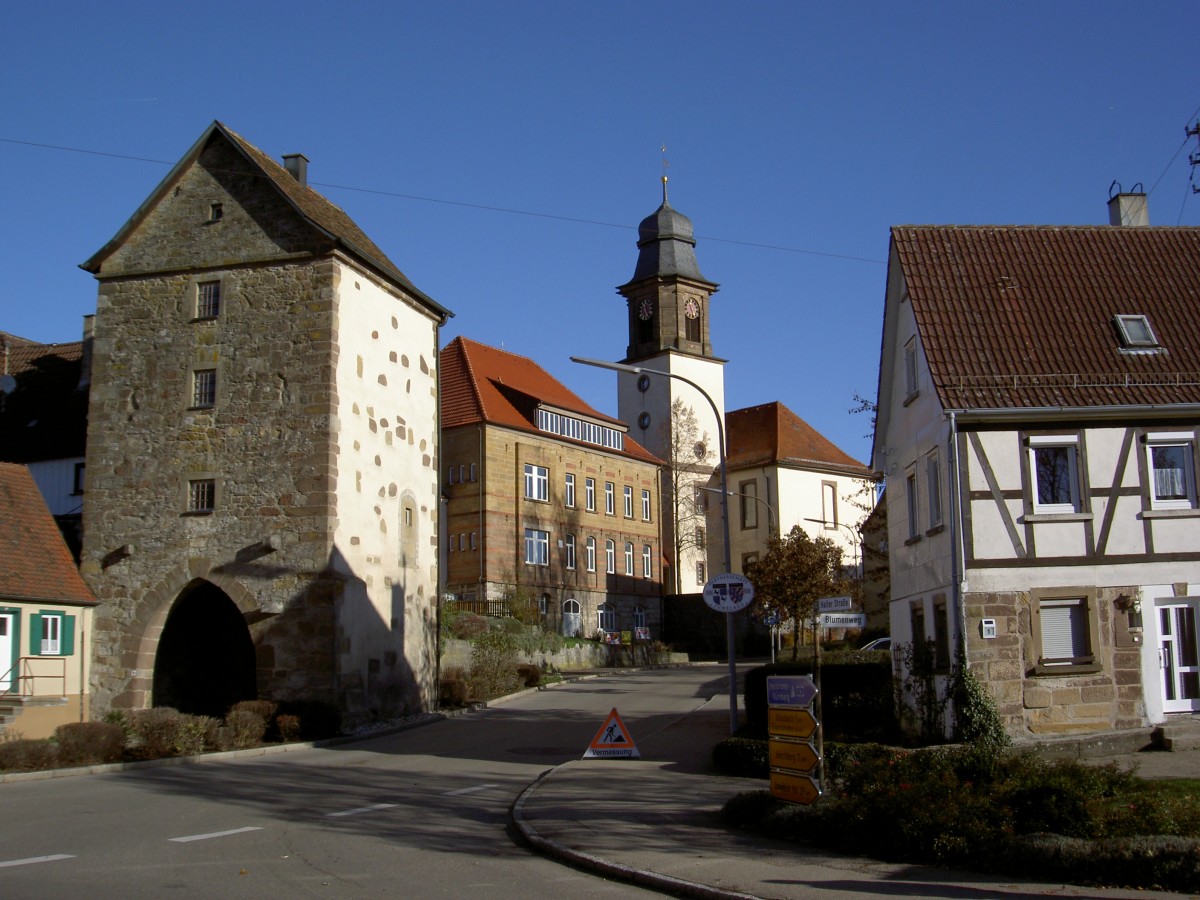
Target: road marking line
470,790
35,859
361,809
214,834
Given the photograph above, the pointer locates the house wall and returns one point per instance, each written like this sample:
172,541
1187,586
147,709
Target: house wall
385,484
55,479
52,688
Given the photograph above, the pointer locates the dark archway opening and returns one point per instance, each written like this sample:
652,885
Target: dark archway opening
205,661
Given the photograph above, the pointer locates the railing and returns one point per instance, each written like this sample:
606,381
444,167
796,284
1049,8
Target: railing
26,682
497,608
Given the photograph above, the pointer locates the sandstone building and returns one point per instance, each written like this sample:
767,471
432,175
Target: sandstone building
262,449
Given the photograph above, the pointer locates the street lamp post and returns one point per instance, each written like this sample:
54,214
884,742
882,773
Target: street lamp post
729,631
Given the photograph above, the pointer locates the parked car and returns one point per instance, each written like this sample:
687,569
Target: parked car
878,644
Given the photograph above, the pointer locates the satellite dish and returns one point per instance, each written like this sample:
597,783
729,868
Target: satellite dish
8,384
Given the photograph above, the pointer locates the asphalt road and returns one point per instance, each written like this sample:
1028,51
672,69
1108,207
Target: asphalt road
421,813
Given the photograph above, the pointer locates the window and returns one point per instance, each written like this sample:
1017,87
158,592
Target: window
569,492
1064,631
628,559
590,548
700,579
51,633
933,484
910,369
910,497
202,495
748,559
570,551
610,557
537,482
639,617
216,212
699,536
700,498
472,478
208,299
589,494
452,475
1171,468
749,497
537,547
606,618
1136,333
941,635
204,388
610,498
647,566
543,605
628,492
1054,474
829,510
645,506
77,482
474,540
572,622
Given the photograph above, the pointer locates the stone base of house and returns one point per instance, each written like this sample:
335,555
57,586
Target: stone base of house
585,656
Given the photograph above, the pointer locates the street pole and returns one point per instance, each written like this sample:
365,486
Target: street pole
729,629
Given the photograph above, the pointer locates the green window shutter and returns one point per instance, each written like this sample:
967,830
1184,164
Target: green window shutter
5,664
68,635
35,634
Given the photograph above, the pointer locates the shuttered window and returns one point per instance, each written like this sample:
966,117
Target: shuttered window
1064,627
51,634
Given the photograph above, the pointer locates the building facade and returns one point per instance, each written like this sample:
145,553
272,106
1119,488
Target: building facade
546,499
262,450
1039,411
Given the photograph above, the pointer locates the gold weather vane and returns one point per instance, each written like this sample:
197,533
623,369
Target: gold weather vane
665,164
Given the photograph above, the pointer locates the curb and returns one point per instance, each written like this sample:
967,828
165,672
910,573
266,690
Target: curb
594,864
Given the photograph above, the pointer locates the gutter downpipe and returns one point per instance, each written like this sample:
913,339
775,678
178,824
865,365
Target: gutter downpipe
957,547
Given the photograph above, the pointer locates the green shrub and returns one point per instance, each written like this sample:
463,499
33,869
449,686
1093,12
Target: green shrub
745,757
857,697
976,719
89,743
494,666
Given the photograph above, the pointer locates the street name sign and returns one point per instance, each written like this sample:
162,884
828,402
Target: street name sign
843,620
728,593
796,756
796,691
792,723
794,787
834,604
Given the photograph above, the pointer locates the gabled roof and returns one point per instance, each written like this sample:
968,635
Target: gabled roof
46,416
771,434
37,564
482,384
314,208
1022,317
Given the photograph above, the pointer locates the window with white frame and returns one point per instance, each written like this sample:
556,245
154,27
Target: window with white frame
933,486
628,492
1170,464
610,557
645,506
589,494
569,547
51,633
590,550
569,491
910,368
639,617
1065,631
204,388
1135,332
537,547
911,502
647,567
537,482
1054,473
628,558
610,498
51,643
606,618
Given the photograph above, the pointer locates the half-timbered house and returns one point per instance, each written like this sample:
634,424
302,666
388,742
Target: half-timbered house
1039,411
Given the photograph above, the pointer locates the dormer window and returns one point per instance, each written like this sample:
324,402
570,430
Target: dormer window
1136,333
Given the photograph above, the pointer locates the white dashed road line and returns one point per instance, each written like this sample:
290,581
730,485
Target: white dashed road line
470,790
214,834
361,809
35,859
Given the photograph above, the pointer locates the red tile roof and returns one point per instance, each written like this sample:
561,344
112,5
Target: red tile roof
1022,316
46,416
771,434
37,564
483,384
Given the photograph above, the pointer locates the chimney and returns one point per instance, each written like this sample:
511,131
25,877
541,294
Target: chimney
297,166
1127,208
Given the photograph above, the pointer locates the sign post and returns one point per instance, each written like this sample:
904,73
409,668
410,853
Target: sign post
729,593
791,726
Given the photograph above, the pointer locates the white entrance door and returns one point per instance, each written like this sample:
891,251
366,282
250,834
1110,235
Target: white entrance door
1179,653
572,619
8,652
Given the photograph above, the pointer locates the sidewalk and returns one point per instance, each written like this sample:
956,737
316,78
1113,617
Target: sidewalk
654,822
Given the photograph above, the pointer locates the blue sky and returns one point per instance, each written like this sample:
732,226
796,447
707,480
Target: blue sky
502,154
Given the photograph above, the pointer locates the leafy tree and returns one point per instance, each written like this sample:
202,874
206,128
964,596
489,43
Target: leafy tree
795,572
689,463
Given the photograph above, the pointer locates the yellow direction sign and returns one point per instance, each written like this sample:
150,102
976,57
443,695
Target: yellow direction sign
794,788
612,741
792,755
798,723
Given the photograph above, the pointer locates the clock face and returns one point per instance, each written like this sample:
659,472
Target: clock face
691,309
645,309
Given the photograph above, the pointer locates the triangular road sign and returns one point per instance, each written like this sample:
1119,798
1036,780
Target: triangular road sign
612,741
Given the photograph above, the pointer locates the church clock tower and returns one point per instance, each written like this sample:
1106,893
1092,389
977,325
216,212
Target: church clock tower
668,303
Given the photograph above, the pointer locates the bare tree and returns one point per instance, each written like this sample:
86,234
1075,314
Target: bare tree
689,466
